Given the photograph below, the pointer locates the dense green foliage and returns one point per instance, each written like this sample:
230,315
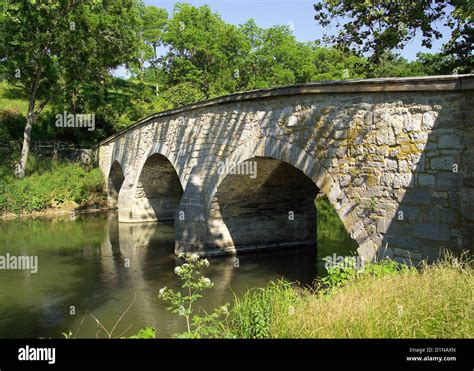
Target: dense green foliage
334,238
51,184
206,57
378,26
145,333
253,315
346,271
49,48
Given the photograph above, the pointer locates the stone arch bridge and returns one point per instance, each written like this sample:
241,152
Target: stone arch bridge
395,157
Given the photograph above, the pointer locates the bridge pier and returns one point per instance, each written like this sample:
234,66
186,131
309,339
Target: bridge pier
191,223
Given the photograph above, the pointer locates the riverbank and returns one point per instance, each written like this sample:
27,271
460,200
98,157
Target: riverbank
51,188
385,301
434,302
67,210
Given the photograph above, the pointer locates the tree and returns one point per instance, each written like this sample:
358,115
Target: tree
203,50
206,57
335,64
437,64
154,21
378,26
276,58
393,65
50,48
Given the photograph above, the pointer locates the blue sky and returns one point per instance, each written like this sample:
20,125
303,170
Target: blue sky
267,13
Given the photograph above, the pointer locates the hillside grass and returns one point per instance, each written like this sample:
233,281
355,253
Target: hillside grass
9,100
433,302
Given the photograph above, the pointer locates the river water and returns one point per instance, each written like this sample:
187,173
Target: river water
94,266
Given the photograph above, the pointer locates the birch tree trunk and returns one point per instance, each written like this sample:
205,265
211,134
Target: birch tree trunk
25,149
20,168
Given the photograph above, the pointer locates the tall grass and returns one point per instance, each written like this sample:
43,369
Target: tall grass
254,315
434,302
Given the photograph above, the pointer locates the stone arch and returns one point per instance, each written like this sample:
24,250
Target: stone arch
270,206
299,159
270,148
160,149
155,189
115,181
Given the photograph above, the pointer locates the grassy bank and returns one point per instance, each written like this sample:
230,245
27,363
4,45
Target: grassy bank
50,185
383,302
9,99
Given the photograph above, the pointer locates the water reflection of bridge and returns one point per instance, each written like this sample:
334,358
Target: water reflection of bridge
139,258
134,257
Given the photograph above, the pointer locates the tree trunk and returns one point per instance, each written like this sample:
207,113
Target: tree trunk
20,168
25,149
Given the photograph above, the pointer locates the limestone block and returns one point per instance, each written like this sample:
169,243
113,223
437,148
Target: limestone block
367,251
447,181
450,141
442,163
429,119
413,123
426,180
385,136
432,231
391,165
292,121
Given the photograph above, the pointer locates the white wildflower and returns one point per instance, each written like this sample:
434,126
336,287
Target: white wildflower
194,257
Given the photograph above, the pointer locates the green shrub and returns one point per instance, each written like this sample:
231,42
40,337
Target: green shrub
342,273
12,123
50,184
144,333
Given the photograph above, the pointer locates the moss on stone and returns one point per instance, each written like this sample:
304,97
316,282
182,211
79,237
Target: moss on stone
407,149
